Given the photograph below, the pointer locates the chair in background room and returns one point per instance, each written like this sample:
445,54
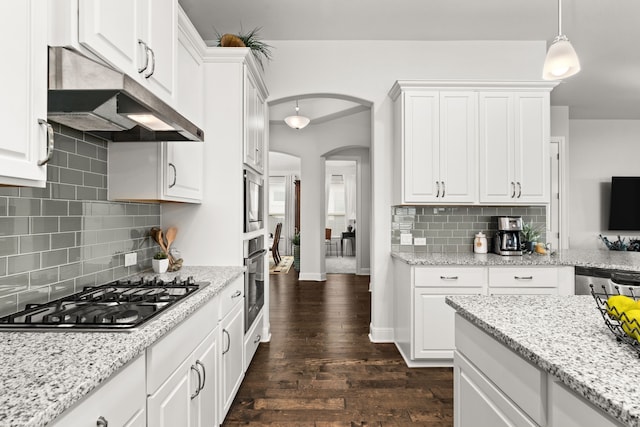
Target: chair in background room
328,242
275,251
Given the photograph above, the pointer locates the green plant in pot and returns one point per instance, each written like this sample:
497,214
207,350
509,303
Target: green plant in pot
295,241
160,262
530,235
250,39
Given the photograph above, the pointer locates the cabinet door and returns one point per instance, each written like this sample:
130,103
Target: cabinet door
110,29
496,130
25,94
170,405
158,28
260,132
189,81
183,170
250,113
232,351
458,147
531,147
421,157
203,407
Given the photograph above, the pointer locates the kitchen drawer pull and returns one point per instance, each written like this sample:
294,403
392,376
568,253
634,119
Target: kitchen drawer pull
194,395
224,331
175,174
513,189
146,55
204,373
49,142
519,189
258,338
449,277
153,64
438,184
102,422
523,277
236,294
443,189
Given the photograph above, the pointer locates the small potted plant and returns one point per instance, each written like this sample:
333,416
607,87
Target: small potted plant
160,262
295,241
530,235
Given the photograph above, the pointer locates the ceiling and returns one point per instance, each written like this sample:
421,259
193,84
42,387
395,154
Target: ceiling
605,34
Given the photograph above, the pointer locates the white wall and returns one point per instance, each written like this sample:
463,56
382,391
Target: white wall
367,70
599,150
310,144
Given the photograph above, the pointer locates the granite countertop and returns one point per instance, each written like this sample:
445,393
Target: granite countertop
573,257
566,337
44,373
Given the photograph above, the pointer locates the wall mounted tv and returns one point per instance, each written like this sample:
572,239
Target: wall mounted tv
624,211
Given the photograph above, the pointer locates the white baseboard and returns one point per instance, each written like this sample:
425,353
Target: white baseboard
317,277
380,335
364,272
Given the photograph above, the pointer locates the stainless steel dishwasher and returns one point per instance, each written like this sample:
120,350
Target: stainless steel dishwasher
614,281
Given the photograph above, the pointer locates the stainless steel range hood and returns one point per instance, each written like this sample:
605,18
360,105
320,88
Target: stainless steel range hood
91,97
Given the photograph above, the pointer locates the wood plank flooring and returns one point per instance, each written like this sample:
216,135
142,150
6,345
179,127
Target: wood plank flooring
321,370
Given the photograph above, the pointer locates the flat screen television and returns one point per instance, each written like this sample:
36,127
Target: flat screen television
624,211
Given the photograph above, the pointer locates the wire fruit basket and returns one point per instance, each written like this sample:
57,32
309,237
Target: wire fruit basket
623,327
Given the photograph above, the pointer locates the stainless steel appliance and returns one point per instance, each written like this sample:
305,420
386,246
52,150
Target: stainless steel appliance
123,305
507,239
254,254
614,281
253,201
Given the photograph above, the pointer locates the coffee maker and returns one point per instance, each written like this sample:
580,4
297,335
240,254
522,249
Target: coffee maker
507,240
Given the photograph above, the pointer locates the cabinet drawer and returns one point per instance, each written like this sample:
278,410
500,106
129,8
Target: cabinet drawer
231,295
531,277
470,277
121,400
252,340
524,383
166,355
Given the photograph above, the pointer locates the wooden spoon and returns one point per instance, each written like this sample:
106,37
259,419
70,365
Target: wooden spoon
171,236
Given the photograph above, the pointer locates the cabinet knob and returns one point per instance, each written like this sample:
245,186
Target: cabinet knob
102,422
257,340
49,142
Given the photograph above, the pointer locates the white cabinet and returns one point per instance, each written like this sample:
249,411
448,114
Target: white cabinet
24,95
231,343
164,171
138,37
514,147
190,72
254,124
120,401
437,139
189,392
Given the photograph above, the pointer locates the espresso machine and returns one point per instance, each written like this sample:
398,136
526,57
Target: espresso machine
507,240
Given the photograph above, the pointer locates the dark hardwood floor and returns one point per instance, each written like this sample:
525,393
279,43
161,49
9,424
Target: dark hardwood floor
320,369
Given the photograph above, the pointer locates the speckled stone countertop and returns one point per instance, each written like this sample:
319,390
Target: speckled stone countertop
566,337
44,373
574,257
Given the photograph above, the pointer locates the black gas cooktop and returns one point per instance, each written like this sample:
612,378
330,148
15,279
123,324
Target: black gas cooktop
117,306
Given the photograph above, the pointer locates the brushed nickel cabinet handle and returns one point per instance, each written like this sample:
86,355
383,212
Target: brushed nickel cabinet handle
153,63
443,189
438,184
523,277
236,294
204,373
49,142
197,392
146,55
513,189
257,340
102,422
224,331
448,277
519,189
175,174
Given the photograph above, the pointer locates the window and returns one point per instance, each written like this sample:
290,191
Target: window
276,195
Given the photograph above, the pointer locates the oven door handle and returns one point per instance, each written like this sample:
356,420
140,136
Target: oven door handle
256,254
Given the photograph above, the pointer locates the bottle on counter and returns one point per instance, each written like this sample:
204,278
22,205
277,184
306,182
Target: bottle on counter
480,243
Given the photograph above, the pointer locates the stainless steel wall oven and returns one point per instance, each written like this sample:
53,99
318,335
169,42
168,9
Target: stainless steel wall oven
254,256
253,200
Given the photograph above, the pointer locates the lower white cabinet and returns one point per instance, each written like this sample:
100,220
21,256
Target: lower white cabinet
424,323
232,349
189,392
156,171
121,401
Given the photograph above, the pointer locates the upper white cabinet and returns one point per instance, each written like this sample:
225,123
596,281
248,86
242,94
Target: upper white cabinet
190,71
138,37
451,135
23,155
514,147
254,123
437,140
163,171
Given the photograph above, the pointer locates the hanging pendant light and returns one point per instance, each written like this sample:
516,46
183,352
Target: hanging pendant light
297,121
561,60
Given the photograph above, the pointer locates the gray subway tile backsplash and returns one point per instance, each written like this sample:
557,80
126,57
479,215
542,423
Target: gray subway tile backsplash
58,239
451,229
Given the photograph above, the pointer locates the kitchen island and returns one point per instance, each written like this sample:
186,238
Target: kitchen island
541,360
45,373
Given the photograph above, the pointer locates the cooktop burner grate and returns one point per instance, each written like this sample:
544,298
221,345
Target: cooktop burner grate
119,305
